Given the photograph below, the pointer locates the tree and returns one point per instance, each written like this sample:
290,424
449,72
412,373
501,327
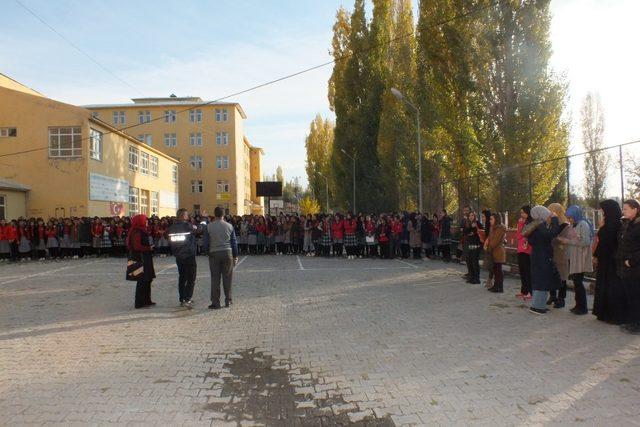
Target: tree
309,206
596,162
319,143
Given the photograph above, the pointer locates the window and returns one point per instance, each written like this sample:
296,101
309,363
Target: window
221,115
8,132
170,140
195,139
119,117
222,138
95,138
145,139
154,166
223,186
196,186
196,209
94,114
144,117
144,202
222,162
3,207
174,173
133,158
170,116
65,142
154,203
195,116
144,163
133,201
196,162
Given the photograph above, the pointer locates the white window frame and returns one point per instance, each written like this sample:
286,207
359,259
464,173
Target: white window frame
218,162
197,186
95,144
170,140
144,117
222,115
155,202
195,116
144,163
195,139
225,162
223,186
174,173
74,132
144,202
134,197
119,117
134,158
170,116
196,162
154,165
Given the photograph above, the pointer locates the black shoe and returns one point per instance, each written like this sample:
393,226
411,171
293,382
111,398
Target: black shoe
228,302
214,307
559,303
579,312
537,311
495,290
551,300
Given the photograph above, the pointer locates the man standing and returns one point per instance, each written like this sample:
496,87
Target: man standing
182,239
223,256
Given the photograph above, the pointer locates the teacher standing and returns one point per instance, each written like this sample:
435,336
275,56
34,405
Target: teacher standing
223,255
140,250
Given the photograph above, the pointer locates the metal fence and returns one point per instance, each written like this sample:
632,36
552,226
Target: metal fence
562,179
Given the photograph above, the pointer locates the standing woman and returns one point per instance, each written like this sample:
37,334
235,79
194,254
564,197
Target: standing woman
494,244
5,249
445,236
24,241
337,230
524,255
307,244
370,237
325,240
487,261
471,233
252,240
580,257
383,233
140,250
544,274
40,240
360,236
11,234
425,233
609,303
350,243
261,232
53,246
415,236
629,262
561,255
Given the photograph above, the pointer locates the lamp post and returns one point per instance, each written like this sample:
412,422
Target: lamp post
353,159
327,182
401,97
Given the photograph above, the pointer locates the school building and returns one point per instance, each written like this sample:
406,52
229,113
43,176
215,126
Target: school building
218,164
59,160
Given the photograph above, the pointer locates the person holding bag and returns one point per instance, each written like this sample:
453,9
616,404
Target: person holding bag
140,253
494,244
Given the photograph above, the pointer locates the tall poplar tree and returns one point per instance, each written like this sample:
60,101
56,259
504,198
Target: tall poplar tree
319,143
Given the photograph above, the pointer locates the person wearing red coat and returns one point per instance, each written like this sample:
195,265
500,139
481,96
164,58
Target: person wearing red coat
370,237
53,245
384,236
11,234
24,241
396,232
5,247
337,231
97,231
350,242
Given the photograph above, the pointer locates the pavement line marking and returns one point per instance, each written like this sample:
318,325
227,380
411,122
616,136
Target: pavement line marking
167,268
299,262
45,273
240,262
407,263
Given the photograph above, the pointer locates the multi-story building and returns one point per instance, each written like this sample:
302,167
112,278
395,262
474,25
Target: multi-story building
218,165
70,163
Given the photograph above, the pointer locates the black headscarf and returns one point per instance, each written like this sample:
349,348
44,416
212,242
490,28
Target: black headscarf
612,213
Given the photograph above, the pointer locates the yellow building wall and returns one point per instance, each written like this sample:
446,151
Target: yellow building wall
209,150
115,164
15,204
256,174
8,83
56,184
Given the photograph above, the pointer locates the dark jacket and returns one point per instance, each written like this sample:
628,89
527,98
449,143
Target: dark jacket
84,232
140,250
609,302
182,240
544,274
629,250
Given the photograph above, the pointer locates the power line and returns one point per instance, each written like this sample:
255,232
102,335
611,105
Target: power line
253,88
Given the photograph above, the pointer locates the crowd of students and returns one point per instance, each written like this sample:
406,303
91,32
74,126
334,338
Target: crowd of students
553,247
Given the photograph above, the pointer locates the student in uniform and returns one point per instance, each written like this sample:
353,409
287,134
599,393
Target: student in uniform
5,248
53,246
24,241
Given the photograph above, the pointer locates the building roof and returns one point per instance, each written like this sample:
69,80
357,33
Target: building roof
9,83
8,184
190,101
252,147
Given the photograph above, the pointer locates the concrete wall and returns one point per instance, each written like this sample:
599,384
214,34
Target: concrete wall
15,204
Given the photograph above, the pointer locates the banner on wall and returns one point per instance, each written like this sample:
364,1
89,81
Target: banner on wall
108,189
168,199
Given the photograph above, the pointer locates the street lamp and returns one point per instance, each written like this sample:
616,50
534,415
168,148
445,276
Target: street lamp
327,182
353,158
401,97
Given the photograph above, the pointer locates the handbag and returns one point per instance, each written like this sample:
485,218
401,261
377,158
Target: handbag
135,270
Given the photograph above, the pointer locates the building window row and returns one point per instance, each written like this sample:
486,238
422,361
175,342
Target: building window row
170,116
65,142
134,207
222,162
143,162
197,186
8,132
119,118
170,140
144,117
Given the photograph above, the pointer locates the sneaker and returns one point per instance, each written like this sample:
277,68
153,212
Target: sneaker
537,311
189,304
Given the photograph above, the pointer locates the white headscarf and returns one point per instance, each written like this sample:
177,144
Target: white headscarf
540,212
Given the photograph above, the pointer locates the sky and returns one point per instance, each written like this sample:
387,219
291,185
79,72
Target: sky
213,49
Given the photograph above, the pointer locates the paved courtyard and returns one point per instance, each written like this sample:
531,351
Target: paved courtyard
307,342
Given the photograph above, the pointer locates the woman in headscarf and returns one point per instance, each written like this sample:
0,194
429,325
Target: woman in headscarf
544,274
494,244
524,255
140,250
561,255
580,257
629,262
609,299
